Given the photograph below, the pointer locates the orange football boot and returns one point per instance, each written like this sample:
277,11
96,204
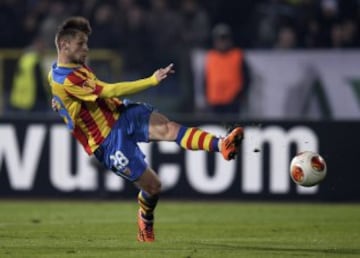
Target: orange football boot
231,143
146,230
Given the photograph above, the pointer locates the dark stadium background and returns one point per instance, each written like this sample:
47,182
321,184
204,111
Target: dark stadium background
321,30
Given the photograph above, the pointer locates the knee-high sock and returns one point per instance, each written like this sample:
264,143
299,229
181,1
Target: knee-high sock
147,205
192,138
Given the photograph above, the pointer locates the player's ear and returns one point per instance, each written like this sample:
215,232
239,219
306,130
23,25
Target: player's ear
63,44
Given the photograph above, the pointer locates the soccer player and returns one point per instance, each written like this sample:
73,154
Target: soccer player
110,128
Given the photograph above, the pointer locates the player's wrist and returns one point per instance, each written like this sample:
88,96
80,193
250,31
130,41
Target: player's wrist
153,80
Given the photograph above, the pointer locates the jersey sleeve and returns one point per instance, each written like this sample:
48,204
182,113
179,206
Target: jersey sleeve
83,88
111,90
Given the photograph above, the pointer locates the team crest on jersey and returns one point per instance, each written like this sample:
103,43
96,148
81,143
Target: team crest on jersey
127,172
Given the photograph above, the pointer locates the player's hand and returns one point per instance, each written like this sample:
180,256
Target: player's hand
162,73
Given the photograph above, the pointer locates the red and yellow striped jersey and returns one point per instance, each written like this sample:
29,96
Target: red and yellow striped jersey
89,106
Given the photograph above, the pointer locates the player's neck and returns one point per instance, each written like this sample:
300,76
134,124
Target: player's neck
64,61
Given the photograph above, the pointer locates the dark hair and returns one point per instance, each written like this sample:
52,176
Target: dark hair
71,26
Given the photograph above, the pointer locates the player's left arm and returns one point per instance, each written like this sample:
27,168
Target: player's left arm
109,90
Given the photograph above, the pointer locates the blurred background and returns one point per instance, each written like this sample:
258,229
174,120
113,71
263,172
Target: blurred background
286,69
302,43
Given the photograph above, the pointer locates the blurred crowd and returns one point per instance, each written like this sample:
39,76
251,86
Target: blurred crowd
152,33
167,24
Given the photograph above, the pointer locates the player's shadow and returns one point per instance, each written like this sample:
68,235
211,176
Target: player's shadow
340,251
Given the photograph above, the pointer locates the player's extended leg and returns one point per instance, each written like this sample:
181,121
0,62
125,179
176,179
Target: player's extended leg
148,196
191,138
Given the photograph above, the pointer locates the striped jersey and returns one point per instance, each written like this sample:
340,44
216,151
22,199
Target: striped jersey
76,91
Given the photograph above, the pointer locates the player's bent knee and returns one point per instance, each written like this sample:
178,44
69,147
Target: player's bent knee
172,130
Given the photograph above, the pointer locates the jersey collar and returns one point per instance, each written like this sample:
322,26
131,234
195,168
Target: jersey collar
70,65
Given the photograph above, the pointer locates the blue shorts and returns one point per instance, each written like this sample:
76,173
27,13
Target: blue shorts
119,151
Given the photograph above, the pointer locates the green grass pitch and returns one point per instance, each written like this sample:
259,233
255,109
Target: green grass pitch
183,229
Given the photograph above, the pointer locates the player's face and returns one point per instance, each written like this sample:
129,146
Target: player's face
77,48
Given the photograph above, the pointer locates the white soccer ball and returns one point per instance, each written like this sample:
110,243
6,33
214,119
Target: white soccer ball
308,168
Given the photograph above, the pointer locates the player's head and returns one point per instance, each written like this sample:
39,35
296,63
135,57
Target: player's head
71,39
